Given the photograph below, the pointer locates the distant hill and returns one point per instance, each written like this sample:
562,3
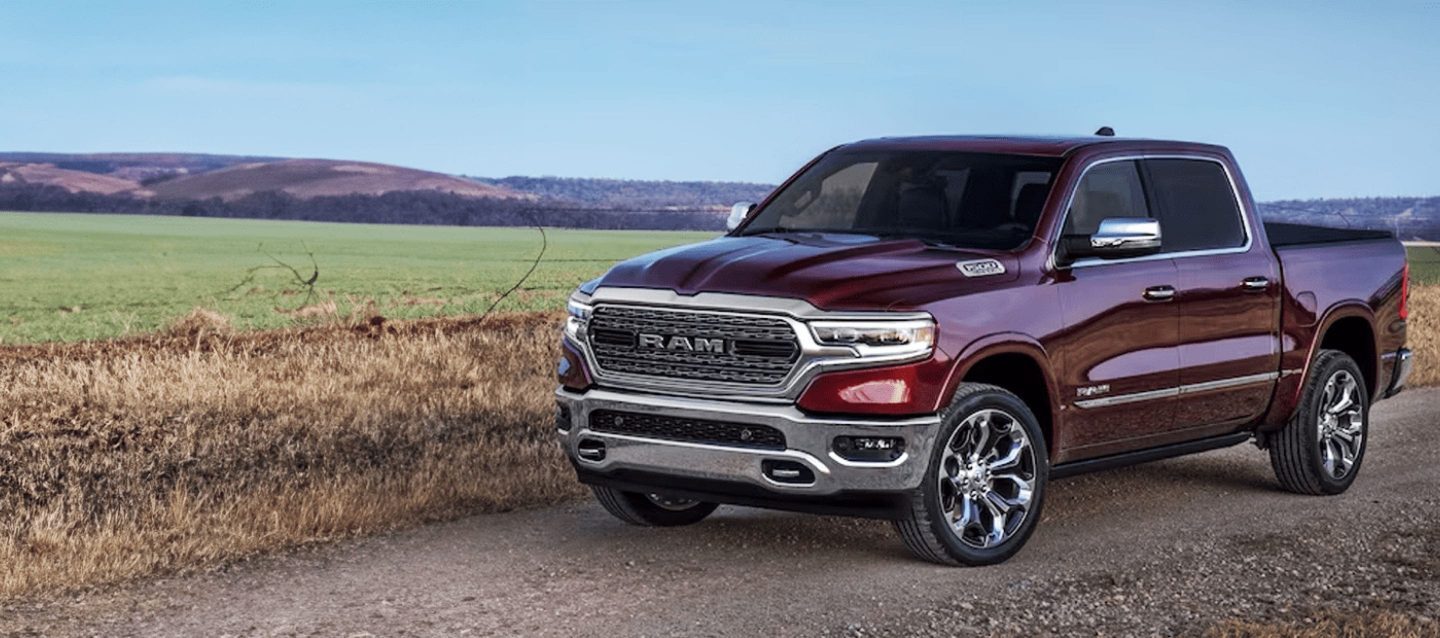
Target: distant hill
228,177
135,166
305,178
13,174
198,176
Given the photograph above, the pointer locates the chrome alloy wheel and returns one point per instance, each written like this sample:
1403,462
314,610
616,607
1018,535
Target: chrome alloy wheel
671,503
987,478
1341,424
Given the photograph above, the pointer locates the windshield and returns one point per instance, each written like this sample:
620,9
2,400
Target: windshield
968,200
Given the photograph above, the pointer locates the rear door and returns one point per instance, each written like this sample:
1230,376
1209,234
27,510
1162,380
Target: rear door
1228,298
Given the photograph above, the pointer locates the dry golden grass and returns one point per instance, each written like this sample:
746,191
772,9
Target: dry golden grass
119,459
1331,624
1424,334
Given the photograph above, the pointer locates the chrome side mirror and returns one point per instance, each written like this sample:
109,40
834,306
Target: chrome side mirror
1116,238
738,213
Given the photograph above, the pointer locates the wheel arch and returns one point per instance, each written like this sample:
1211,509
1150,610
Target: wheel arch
1018,363
1349,327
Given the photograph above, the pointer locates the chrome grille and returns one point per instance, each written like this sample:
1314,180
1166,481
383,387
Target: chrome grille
755,350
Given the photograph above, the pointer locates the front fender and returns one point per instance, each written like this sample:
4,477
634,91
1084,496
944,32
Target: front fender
1008,343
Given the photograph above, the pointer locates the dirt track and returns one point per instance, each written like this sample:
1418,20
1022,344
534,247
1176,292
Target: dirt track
1166,548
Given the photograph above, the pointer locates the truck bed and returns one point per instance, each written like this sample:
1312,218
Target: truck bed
1282,234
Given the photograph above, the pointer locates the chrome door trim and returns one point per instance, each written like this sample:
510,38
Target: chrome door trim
1121,399
1165,393
1234,382
1245,215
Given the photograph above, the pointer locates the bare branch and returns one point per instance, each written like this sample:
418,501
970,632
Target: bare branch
544,244
307,283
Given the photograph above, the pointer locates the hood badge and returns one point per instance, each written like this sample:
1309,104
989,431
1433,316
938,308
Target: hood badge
981,268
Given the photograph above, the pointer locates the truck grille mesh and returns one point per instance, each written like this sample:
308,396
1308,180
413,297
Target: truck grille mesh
751,350
689,430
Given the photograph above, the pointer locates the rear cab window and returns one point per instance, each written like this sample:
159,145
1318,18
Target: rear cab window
1196,205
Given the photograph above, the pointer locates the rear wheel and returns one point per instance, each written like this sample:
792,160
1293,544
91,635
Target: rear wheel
1320,450
985,484
651,510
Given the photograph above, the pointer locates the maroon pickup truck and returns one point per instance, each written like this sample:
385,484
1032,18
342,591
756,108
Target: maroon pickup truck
930,329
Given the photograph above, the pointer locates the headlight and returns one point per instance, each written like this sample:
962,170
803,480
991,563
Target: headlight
877,337
579,317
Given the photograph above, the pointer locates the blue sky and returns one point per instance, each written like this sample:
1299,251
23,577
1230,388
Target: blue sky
1316,99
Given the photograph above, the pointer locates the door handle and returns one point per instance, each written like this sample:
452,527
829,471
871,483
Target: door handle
1159,293
1255,284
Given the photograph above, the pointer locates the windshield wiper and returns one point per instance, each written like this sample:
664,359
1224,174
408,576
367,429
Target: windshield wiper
876,233
774,230
787,230
936,243
928,241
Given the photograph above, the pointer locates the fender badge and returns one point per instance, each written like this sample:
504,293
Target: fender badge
981,268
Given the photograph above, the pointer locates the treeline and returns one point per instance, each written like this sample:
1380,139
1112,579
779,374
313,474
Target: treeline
635,194
1408,217
410,207
1412,217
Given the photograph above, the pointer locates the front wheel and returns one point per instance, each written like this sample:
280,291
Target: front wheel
985,483
651,510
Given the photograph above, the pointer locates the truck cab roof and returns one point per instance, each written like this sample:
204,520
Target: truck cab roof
1044,146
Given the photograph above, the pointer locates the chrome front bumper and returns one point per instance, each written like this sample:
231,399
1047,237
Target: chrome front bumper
808,439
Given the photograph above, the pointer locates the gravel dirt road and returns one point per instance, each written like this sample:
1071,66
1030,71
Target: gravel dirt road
1170,547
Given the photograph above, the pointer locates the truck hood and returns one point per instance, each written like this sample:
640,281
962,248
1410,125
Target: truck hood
831,271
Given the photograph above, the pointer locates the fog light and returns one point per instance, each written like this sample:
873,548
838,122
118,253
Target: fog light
882,391
869,449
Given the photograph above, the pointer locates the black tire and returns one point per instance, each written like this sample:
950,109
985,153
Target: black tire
644,510
926,529
1296,451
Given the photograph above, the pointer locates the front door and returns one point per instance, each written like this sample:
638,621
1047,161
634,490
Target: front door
1121,364
1122,329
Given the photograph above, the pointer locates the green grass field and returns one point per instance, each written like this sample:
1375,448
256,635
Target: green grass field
1425,264
71,277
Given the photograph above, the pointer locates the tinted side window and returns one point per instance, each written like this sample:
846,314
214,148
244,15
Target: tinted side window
1195,204
1108,190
